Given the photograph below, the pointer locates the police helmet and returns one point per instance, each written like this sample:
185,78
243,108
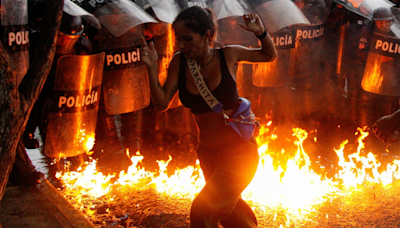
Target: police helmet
71,25
71,29
382,14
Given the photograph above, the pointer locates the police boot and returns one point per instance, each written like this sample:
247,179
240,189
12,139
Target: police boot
107,141
29,135
23,172
131,130
29,140
365,112
311,115
353,105
55,165
334,97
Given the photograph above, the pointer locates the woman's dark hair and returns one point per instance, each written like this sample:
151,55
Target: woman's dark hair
198,20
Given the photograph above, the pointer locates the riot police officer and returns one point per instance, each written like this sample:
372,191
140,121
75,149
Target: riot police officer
374,101
71,30
333,53
349,66
308,61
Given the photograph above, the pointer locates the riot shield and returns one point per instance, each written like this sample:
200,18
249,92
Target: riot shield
72,120
75,10
125,82
279,14
364,8
119,16
164,10
309,40
279,72
15,34
381,74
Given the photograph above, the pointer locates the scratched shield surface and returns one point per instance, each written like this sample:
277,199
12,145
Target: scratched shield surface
381,74
15,34
73,116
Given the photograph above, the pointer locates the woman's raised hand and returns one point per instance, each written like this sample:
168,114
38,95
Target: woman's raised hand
148,53
253,23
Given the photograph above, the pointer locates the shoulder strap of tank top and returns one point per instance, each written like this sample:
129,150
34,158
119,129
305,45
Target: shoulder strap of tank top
222,58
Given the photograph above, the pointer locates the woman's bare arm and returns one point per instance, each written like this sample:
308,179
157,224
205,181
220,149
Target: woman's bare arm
266,53
161,96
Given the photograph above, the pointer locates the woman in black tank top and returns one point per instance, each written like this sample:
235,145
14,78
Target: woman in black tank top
228,162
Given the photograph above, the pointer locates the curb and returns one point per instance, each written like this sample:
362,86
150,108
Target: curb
75,218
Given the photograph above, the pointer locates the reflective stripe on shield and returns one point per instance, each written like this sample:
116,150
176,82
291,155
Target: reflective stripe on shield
381,74
15,34
73,116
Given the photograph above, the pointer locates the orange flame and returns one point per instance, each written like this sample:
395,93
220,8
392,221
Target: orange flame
357,169
294,187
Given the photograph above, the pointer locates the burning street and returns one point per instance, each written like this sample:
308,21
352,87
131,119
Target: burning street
290,189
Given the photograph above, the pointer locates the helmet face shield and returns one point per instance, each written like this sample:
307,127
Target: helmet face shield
365,8
66,42
71,24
